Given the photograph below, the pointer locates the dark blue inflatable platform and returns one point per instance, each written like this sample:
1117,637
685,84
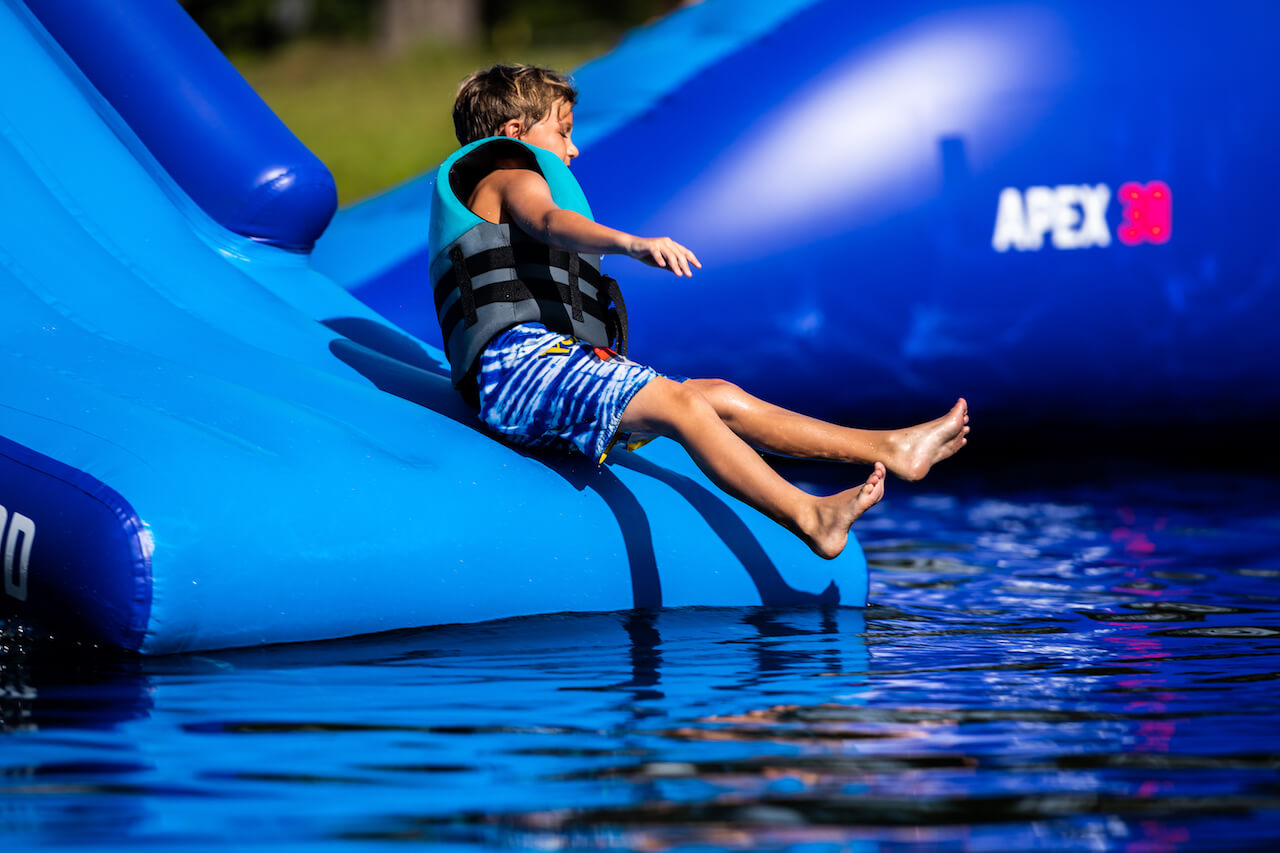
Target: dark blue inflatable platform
1061,210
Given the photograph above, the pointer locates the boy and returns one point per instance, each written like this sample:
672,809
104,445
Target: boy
530,333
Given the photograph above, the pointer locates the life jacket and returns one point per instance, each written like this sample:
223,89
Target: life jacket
487,278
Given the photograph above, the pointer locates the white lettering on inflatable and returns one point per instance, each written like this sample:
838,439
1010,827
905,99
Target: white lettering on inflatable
1074,215
1010,221
1042,210
1066,216
1094,200
17,536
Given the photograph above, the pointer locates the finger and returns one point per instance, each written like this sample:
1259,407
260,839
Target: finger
689,257
678,258
660,259
675,266
678,254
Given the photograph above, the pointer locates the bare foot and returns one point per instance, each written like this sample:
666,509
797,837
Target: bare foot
916,449
835,514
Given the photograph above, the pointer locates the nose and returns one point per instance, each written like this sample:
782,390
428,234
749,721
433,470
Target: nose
571,151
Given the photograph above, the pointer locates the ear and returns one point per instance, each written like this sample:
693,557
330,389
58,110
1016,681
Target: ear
513,128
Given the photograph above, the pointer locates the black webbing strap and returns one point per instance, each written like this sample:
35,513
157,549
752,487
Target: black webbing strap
616,323
538,253
462,276
530,260
541,289
575,294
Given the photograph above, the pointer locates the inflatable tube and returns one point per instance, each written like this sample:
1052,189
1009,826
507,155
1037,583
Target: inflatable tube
204,443
197,116
1060,210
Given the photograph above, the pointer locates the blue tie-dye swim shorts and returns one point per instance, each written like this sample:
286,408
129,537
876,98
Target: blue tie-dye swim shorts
541,389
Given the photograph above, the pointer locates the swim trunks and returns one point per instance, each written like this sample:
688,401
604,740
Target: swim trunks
542,389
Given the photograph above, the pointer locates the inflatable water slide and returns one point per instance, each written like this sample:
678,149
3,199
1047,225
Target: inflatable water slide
206,442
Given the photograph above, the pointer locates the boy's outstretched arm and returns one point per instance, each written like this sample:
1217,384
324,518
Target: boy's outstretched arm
526,199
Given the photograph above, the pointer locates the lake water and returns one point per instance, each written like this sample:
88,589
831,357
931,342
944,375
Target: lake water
1074,662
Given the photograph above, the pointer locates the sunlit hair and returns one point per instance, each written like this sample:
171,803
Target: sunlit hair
491,97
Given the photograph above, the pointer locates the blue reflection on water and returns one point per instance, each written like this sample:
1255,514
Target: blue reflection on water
1045,666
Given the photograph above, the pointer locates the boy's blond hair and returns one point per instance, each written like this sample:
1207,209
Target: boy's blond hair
491,97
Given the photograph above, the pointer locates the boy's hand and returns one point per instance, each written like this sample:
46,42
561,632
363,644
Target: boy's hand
663,252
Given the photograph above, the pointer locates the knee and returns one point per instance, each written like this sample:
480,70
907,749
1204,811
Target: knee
686,407
725,397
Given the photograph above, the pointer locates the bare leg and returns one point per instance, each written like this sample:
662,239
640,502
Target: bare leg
681,412
908,453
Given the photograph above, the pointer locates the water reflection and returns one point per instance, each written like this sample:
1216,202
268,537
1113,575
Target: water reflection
1027,678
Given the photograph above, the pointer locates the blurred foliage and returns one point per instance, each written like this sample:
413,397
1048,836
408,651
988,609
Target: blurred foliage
262,25
515,23
377,121
379,117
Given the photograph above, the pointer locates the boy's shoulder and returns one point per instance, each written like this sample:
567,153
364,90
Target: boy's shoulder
497,189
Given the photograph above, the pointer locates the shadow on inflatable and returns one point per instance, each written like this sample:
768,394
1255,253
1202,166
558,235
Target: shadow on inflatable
399,365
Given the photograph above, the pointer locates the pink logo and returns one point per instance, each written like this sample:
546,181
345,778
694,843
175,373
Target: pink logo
1146,214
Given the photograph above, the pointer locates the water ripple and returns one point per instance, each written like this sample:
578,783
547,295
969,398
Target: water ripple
1048,666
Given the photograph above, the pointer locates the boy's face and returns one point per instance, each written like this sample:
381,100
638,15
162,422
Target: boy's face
554,132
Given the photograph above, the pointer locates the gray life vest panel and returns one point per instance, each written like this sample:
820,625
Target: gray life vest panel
487,277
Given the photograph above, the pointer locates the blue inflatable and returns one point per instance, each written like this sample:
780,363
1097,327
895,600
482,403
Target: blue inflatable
204,442
1061,210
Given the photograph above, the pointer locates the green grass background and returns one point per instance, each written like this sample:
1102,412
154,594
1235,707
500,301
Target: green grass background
377,120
